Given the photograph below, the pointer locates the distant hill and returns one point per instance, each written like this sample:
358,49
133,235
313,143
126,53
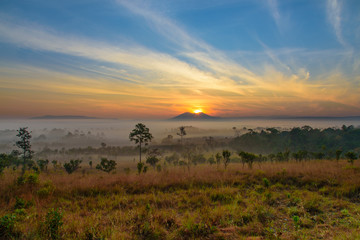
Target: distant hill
63,117
194,116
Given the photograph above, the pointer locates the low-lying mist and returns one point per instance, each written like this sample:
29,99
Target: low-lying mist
92,132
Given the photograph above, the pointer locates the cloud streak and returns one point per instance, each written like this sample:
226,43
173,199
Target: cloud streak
134,77
334,15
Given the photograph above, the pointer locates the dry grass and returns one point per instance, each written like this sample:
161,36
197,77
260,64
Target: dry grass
206,202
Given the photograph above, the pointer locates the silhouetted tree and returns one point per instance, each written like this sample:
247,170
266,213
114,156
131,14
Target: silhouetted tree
140,134
338,154
226,156
25,146
247,158
181,133
351,156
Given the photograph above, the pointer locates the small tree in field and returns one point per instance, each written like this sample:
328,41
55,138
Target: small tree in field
247,158
226,156
25,146
152,160
182,133
338,154
351,157
140,135
153,157
43,164
72,166
106,165
218,159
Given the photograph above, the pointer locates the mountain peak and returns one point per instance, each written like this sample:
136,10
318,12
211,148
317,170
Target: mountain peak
194,116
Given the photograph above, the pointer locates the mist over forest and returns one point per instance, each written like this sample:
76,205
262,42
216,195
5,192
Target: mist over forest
79,138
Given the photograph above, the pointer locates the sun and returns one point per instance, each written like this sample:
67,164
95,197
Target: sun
198,111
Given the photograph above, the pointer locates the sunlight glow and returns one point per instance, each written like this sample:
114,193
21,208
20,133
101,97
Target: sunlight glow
198,111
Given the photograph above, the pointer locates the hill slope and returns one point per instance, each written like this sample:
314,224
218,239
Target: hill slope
194,116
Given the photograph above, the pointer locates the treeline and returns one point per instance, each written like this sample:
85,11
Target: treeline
103,150
306,141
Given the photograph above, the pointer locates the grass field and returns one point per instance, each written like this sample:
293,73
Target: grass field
307,200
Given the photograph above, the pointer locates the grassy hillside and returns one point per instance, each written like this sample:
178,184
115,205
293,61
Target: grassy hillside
308,200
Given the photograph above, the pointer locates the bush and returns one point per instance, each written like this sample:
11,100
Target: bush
266,182
19,203
72,166
106,165
7,223
46,190
351,157
43,164
140,166
30,178
53,223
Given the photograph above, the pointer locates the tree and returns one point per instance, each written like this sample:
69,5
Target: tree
218,158
247,158
152,160
153,157
140,134
226,155
181,133
4,162
43,164
338,154
25,146
72,166
106,165
351,156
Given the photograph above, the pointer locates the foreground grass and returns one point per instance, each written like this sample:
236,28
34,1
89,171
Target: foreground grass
310,200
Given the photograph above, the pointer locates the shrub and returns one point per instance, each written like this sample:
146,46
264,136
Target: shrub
72,166
266,182
53,223
106,165
46,190
152,160
30,178
43,164
351,157
7,223
140,166
19,203
296,220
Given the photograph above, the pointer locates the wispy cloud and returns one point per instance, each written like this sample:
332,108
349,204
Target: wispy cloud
274,10
197,75
334,8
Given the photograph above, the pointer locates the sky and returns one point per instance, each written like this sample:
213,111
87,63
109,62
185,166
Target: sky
155,59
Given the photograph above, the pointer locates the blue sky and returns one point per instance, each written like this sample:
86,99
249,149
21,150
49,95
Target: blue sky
156,59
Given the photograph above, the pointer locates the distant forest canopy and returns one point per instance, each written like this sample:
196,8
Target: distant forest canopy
325,142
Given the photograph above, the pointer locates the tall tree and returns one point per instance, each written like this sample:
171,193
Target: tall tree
181,133
140,135
25,146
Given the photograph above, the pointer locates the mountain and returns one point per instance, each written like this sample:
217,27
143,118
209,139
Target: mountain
63,117
194,116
